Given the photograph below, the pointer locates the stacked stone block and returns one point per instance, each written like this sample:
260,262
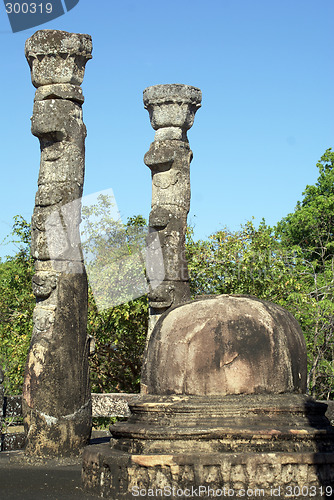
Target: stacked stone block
172,109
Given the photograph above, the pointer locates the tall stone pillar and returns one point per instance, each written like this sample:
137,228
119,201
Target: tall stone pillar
172,110
56,393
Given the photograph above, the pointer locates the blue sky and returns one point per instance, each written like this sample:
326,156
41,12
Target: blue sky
265,69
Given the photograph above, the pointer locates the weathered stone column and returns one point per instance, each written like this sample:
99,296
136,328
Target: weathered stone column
56,393
172,110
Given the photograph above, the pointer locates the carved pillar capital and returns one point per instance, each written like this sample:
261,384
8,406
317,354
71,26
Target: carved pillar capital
172,109
58,57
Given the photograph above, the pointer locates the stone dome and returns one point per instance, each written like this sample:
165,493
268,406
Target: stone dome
225,344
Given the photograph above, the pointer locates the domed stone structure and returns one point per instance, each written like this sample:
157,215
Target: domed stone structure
225,407
227,344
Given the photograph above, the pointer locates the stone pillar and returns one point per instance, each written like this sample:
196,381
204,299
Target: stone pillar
56,392
172,110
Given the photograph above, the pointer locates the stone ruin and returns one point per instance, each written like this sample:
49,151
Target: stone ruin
56,392
172,111
224,378
223,402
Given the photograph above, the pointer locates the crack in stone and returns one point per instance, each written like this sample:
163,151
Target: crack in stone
231,361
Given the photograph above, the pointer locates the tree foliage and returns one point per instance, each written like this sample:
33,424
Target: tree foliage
249,261
16,308
116,273
120,334
311,225
309,230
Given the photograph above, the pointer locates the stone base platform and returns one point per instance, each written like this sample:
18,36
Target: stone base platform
118,475
262,446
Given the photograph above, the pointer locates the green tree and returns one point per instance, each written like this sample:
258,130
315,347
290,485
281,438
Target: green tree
112,251
309,230
16,307
115,273
250,261
311,225
120,334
